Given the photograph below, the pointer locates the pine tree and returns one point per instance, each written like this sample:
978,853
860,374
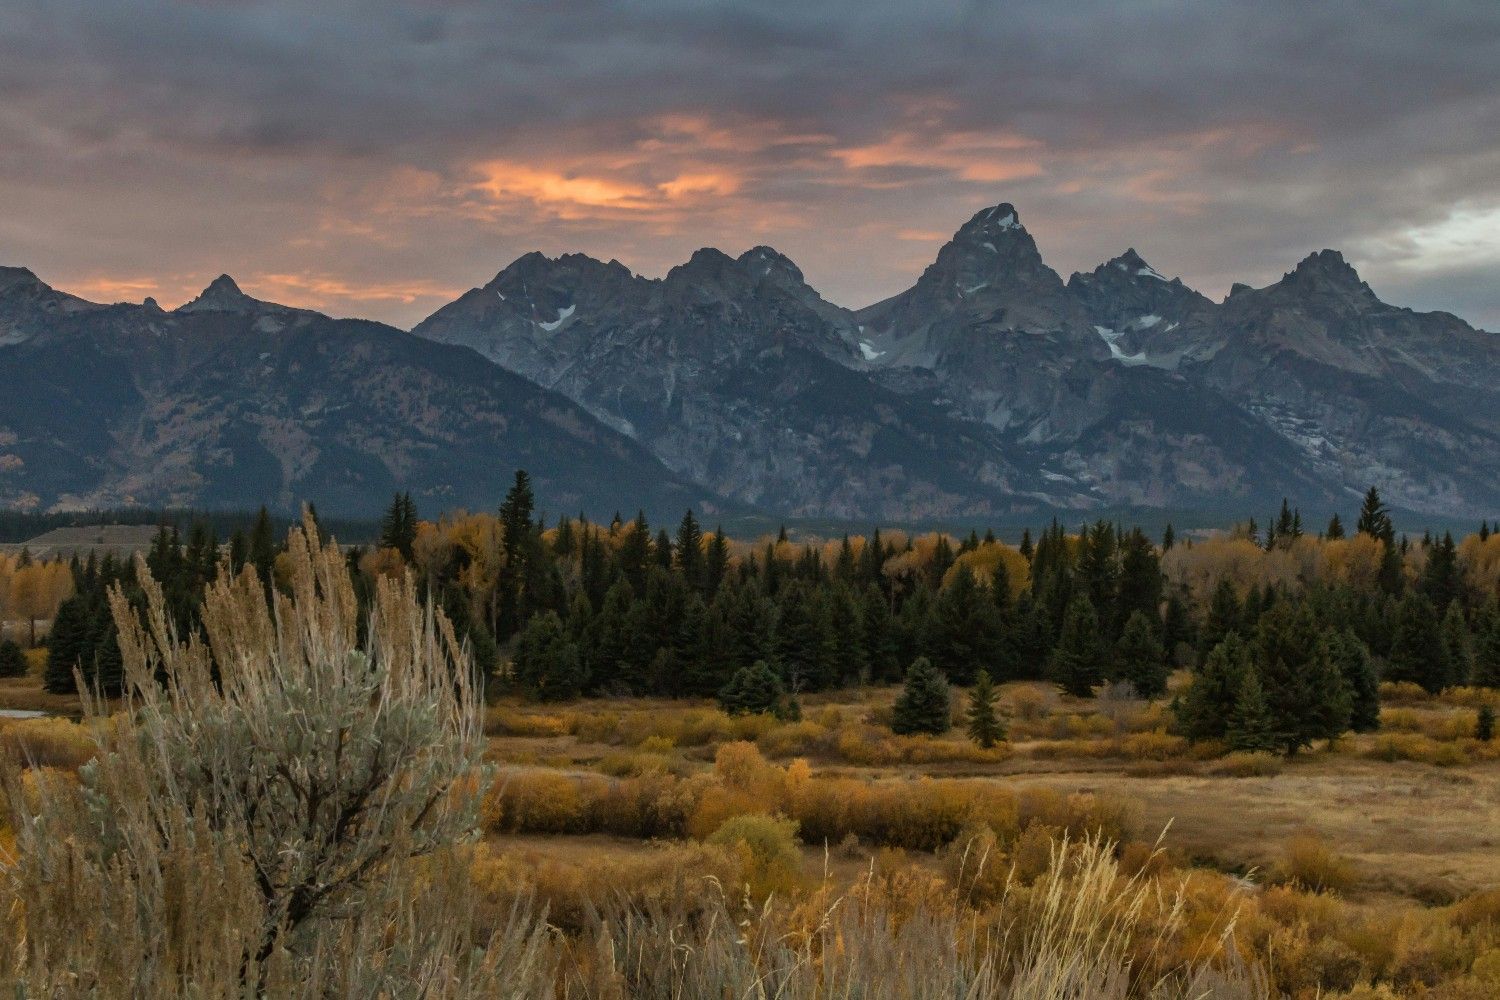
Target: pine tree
66,645
1203,711
1417,650
924,705
715,562
1168,538
1442,578
1224,616
985,727
1484,725
1487,645
262,549
753,690
1375,518
879,636
1140,587
1457,650
546,664
12,660
1139,658
1078,659
690,550
398,528
1352,657
1307,695
1335,530
1249,726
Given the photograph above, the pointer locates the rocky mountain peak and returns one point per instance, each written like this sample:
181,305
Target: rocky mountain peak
993,221
765,262
221,295
1326,276
12,278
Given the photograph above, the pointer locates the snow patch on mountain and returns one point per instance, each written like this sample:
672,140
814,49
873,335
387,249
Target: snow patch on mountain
563,315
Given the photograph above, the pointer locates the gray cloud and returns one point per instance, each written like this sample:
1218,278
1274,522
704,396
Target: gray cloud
372,158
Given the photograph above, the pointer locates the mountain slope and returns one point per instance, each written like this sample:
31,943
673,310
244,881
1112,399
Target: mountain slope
229,401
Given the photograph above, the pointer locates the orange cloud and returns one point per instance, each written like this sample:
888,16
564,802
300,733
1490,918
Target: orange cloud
107,289
316,290
980,157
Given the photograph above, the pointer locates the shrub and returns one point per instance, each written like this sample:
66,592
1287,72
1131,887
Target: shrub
767,846
284,826
12,659
1309,861
47,743
1249,765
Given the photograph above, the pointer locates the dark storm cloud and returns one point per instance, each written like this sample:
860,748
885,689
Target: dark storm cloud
375,157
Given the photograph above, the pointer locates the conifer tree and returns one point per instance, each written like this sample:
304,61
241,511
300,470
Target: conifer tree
1335,530
1375,518
1250,726
924,705
262,548
1202,712
1307,695
1224,616
984,725
1140,586
12,660
1484,725
690,550
66,645
1457,650
1352,657
1417,650
879,635
1140,659
1442,578
547,665
1078,659
398,528
753,690
1487,645
715,562
1176,628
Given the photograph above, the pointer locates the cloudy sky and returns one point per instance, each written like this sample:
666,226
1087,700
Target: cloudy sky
377,159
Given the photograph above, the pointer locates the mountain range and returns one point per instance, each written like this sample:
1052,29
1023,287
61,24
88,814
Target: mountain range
991,387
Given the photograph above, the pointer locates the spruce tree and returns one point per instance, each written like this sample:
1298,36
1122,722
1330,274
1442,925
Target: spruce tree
12,660
923,705
546,663
262,549
1352,658
984,726
1307,695
1140,659
1487,645
1078,659
1335,529
690,550
753,690
1442,578
1417,650
1202,712
66,645
1484,725
1457,650
1224,616
1250,726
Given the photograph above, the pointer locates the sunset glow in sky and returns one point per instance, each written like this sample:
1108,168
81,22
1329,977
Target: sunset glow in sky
379,159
